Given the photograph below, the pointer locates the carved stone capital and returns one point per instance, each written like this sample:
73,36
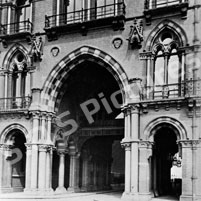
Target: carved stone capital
28,146
126,146
146,144
189,143
45,147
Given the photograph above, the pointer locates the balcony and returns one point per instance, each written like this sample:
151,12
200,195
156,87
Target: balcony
16,30
14,104
156,8
190,88
82,20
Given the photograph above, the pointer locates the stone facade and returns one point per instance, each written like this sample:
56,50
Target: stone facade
80,80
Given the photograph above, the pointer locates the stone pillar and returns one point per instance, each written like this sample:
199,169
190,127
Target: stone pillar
43,128
61,187
2,82
1,165
134,150
34,158
74,172
145,152
85,170
28,168
42,167
189,177
127,190
48,133
49,169
28,84
9,85
6,167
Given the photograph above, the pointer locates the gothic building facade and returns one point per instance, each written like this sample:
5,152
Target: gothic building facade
101,94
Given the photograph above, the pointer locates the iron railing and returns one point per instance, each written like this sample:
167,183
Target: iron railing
184,89
84,15
17,103
17,27
152,4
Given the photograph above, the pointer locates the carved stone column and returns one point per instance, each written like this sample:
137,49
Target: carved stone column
42,167
61,187
74,173
34,158
145,153
1,165
28,168
49,168
134,150
2,82
127,191
189,169
6,167
43,128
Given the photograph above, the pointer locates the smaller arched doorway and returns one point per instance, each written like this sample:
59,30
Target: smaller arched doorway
166,162
15,163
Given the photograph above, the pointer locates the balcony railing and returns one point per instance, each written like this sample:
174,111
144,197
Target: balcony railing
18,103
153,4
185,89
85,15
15,28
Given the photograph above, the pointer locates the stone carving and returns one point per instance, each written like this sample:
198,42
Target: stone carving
55,51
136,34
36,50
117,43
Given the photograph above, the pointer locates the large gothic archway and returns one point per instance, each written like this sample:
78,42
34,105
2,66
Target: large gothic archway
58,76
90,96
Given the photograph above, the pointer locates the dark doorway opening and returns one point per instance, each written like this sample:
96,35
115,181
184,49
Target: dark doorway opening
165,159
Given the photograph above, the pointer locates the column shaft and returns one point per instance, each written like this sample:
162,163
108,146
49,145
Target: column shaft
2,82
134,150
28,168
49,170
61,187
42,168
127,169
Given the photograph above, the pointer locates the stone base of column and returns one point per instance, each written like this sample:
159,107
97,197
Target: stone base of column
73,189
126,196
189,198
136,197
60,190
6,190
145,197
31,190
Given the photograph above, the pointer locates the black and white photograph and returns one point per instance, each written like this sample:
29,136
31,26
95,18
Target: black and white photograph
100,100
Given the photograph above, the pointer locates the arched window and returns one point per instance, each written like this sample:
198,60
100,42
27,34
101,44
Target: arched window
18,82
167,74
16,16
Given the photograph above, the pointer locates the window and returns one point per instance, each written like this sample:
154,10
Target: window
167,77
74,11
151,4
15,16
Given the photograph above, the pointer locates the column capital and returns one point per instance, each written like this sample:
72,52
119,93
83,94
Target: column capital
131,108
146,144
28,146
45,147
35,114
126,145
189,143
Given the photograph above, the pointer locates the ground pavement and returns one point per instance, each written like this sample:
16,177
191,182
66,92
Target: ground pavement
101,196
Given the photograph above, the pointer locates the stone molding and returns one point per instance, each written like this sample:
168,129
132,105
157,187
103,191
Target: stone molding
126,146
189,143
